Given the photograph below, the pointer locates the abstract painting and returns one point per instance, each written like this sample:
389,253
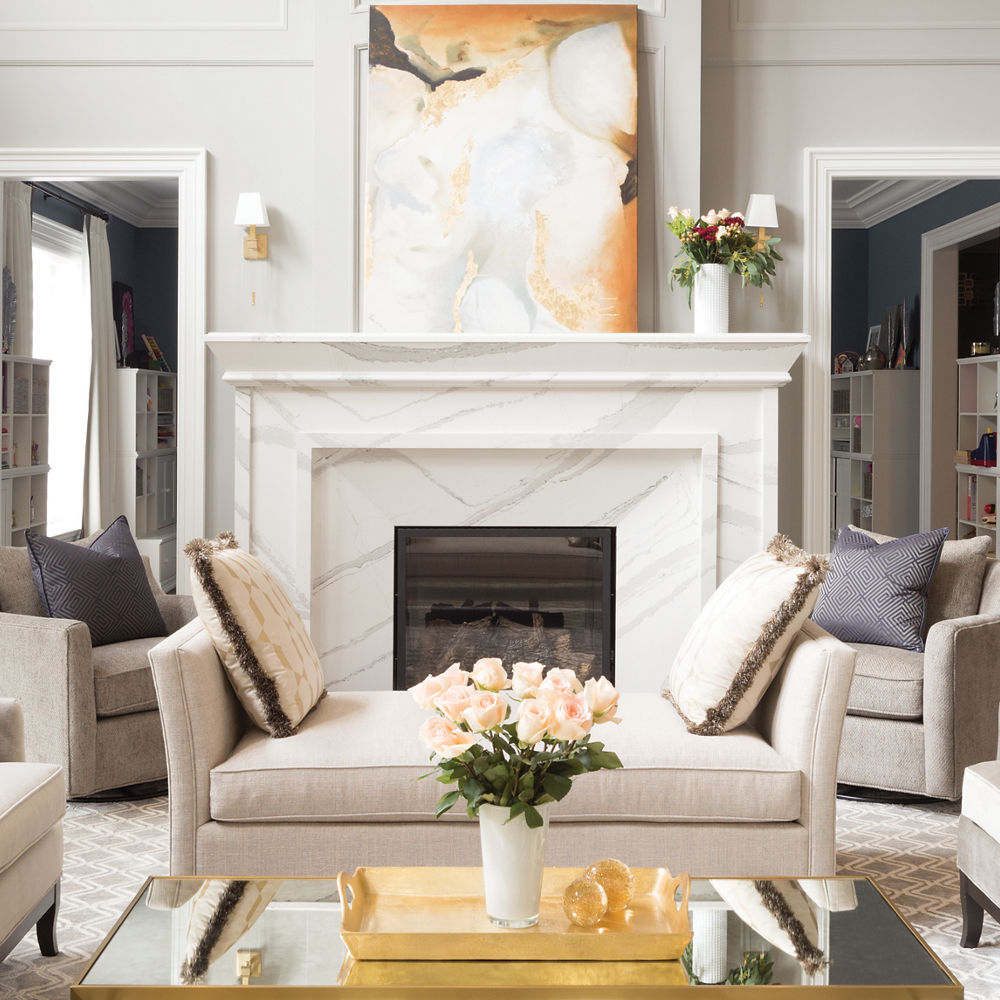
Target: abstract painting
501,169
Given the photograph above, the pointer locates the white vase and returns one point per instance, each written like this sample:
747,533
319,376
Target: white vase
710,299
513,860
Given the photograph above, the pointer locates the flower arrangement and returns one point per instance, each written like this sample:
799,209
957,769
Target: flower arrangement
719,237
513,741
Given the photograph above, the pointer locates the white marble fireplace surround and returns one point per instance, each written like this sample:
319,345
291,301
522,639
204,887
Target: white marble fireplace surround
671,438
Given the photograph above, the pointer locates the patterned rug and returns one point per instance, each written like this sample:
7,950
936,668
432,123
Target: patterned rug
112,847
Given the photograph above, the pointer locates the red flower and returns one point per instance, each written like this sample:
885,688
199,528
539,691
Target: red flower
706,232
733,220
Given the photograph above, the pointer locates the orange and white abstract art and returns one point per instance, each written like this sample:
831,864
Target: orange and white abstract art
501,169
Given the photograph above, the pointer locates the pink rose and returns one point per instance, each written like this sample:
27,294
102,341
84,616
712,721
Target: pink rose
444,737
602,699
486,711
571,719
533,719
489,674
562,680
527,677
453,701
430,687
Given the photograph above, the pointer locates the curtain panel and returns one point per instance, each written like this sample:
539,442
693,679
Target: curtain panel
17,257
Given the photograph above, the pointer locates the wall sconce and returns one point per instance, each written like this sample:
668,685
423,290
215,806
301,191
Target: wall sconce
251,211
762,213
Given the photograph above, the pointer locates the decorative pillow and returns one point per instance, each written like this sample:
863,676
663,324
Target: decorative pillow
957,584
222,912
104,585
259,636
738,643
779,911
877,592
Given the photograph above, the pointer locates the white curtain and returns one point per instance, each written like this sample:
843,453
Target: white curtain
100,473
17,256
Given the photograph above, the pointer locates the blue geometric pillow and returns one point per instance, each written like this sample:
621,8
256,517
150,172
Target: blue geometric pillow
877,593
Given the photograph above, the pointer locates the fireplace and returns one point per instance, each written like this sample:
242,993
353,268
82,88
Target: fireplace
518,593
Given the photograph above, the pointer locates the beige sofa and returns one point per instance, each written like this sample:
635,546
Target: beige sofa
343,791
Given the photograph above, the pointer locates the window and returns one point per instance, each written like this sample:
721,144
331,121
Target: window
62,334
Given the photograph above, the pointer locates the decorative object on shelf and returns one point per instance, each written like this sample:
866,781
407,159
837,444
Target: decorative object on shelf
9,307
585,902
872,360
617,880
123,309
511,766
979,347
846,362
986,454
710,302
718,238
154,351
251,212
898,355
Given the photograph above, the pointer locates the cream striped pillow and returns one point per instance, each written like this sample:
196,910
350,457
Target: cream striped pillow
259,636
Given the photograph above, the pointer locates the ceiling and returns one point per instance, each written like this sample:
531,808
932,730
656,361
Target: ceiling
148,203
863,202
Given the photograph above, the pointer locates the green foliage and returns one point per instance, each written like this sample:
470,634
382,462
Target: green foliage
756,969
721,241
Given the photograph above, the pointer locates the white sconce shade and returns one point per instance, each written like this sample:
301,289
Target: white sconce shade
761,212
250,210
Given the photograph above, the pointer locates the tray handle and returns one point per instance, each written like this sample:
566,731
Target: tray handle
350,889
682,882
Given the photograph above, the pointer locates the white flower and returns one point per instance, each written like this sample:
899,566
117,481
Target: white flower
711,217
672,213
686,212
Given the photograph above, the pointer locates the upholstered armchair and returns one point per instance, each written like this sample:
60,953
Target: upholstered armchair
92,711
32,804
915,721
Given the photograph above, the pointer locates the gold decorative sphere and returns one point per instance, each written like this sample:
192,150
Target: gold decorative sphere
585,902
617,880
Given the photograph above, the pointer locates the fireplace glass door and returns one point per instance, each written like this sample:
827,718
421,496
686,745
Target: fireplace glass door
521,594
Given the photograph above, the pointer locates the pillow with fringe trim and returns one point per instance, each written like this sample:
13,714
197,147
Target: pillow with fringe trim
259,636
738,643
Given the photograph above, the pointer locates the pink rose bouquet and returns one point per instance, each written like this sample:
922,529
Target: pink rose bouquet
513,740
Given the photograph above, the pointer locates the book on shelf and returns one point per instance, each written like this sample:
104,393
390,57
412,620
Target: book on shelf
971,500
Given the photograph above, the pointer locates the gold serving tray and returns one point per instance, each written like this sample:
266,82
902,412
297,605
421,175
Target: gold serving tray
439,914
494,974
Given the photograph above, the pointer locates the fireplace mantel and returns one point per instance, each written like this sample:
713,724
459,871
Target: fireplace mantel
735,360
340,438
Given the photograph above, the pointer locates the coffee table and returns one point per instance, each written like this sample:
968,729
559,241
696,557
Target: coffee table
293,947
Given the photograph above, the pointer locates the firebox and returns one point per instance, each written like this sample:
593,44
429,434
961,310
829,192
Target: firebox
521,594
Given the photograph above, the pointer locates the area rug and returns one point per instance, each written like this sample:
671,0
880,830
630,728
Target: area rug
112,847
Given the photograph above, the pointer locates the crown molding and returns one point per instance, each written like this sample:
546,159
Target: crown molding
885,198
131,202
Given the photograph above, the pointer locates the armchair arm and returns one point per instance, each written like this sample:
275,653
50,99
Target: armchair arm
177,610
202,722
961,699
11,730
802,717
45,663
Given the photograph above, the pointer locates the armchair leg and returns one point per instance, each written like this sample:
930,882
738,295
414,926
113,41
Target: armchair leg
972,912
45,929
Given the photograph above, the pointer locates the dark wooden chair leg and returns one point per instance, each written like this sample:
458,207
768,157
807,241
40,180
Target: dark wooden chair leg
972,912
45,929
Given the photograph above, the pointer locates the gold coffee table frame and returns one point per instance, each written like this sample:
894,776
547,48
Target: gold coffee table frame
380,987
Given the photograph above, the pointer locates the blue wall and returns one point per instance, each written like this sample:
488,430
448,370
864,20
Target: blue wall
146,259
893,258
849,291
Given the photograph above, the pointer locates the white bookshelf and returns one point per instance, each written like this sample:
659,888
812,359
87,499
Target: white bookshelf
874,426
147,467
24,446
978,411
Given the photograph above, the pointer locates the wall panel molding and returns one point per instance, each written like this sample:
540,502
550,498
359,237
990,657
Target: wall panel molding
126,15
852,15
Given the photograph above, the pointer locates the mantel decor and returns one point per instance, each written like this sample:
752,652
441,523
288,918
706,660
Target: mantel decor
713,246
511,757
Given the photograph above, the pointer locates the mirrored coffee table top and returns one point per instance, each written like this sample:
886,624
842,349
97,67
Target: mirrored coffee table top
839,935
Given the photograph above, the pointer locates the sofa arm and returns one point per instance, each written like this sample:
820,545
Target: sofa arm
176,609
45,663
202,722
11,731
961,699
802,717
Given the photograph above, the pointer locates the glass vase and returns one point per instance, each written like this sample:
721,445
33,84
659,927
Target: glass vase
513,860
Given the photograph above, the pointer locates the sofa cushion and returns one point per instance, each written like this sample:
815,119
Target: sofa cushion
123,680
738,642
259,636
357,758
32,800
981,796
888,682
102,584
957,584
877,592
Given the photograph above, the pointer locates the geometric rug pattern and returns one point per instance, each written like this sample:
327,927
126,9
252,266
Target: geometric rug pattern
112,846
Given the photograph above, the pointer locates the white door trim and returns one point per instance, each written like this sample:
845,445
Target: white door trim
821,167
188,166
